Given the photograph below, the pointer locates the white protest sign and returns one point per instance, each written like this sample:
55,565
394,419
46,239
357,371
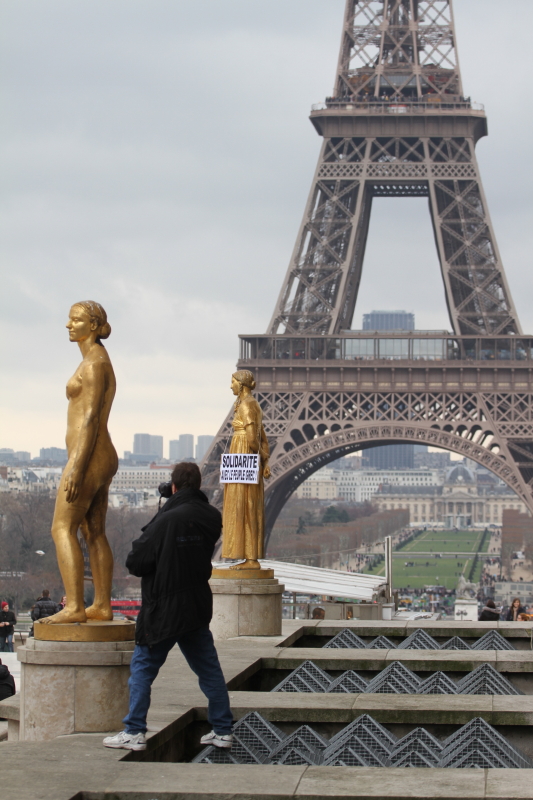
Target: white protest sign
239,468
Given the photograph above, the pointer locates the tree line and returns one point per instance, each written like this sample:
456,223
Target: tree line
27,552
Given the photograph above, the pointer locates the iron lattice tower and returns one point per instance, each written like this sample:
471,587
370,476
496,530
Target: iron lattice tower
398,125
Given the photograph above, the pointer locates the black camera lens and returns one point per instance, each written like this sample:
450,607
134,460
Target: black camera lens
165,489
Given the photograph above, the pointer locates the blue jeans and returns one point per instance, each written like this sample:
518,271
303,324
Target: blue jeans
201,656
6,644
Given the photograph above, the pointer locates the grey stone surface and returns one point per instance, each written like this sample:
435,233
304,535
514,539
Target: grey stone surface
507,784
222,781
393,784
61,768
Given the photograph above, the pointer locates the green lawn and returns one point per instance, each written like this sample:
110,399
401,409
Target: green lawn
439,571
447,542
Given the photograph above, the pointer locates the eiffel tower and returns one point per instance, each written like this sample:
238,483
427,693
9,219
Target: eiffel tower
398,125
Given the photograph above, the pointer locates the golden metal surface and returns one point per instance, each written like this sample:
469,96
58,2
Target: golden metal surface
119,630
81,500
242,574
244,505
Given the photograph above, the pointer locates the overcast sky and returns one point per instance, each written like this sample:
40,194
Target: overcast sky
156,157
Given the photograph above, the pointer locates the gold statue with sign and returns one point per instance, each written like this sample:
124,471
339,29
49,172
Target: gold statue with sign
92,461
243,516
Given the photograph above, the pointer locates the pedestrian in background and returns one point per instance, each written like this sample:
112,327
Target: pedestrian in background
44,606
7,623
515,610
7,682
489,613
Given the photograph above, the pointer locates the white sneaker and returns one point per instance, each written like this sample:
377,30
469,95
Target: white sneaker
126,741
218,740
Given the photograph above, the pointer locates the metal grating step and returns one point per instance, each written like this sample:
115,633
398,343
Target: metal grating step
349,682
417,749
478,744
455,643
381,643
394,679
305,678
346,638
365,742
485,680
492,641
256,732
419,640
438,683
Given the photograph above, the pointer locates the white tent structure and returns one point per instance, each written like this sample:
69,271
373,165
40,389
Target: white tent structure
316,580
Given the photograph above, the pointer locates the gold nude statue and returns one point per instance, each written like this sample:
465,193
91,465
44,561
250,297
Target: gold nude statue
92,461
243,517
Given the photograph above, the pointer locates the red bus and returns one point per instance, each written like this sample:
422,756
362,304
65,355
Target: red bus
126,608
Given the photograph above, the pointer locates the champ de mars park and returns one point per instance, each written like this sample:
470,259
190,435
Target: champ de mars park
332,595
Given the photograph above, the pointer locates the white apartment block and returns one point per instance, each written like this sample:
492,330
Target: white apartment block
140,478
358,486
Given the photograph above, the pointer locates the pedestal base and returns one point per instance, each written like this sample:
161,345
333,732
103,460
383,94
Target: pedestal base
72,687
246,607
242,574
116,630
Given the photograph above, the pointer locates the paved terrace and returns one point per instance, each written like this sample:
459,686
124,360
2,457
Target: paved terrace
78,767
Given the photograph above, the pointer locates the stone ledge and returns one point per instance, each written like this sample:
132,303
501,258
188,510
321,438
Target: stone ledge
10,707
234,587
42,645
74,658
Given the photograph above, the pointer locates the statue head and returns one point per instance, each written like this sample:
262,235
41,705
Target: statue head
242,378
88,318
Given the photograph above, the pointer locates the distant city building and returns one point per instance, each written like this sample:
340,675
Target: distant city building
53,454
506,591
359,486
139,478
144,444
432,460
182,448
10,456
464,498
203,444
389,321
390,456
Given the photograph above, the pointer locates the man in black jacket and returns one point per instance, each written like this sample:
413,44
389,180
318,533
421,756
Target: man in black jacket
7,623
7,683
173,558
44,607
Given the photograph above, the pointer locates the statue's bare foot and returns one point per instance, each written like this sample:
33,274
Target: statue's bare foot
250,563
65,616
100,612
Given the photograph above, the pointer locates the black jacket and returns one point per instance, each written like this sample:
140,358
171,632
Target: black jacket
173,558
489,614
44,607
7,616
7,683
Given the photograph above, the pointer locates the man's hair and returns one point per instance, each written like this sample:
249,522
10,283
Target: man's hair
490,604
46,592
186,474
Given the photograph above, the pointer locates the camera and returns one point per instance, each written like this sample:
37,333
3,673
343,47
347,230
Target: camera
165,489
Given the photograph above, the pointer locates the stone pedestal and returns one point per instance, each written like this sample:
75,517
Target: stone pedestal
246,607
72,687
